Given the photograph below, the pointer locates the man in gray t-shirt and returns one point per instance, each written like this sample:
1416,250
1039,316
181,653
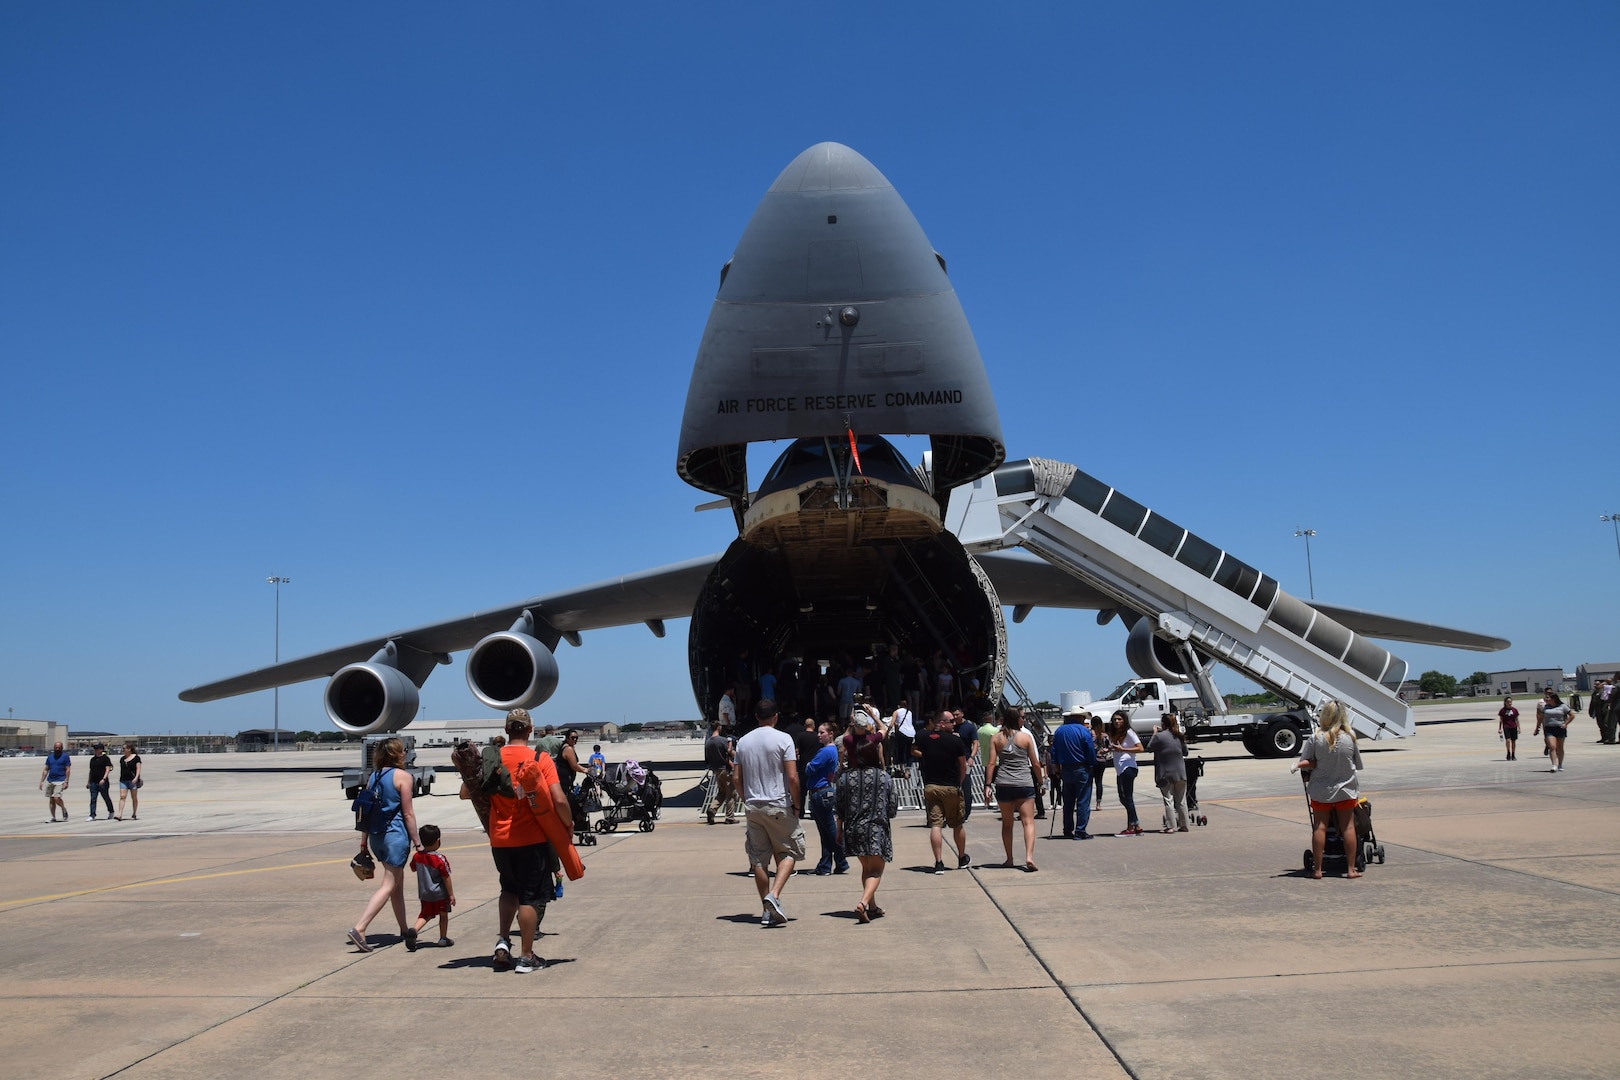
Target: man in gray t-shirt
768,778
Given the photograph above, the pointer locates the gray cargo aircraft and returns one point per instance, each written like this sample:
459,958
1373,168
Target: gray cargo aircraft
835,324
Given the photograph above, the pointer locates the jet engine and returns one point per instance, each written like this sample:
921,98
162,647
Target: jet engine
1152,657
512,669
371,698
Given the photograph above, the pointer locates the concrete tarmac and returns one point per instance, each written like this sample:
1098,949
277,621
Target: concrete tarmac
207,938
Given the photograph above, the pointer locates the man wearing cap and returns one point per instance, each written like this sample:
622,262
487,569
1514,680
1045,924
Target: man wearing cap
100,766
768,777
1074,753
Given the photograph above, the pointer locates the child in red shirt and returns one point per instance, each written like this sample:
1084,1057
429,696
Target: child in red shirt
433,888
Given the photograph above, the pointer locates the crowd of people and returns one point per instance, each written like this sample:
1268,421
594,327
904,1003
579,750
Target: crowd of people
1553,719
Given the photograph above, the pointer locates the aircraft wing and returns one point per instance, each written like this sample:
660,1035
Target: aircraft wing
668,592
1391,628
1021,579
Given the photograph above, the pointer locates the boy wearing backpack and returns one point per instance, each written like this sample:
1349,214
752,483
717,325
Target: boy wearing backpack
433,888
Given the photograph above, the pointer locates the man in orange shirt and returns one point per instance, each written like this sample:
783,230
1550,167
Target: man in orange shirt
517,842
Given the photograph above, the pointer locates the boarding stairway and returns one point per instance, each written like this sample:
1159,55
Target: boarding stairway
1187,602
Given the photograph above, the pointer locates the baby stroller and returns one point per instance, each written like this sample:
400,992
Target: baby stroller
634,794
582,800
1333,859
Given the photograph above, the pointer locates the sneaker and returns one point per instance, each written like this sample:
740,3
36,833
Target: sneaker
445,943
841,869
1082,836
503,954
775,907
939,867
410,939
529,963
1126,831
962,861
359,940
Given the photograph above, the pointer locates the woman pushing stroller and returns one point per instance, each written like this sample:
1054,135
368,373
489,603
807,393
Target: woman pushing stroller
1330,759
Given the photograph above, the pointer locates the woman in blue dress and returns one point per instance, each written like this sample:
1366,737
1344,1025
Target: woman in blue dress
392,835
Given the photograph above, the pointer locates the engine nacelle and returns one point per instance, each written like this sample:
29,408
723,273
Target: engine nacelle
1150,656
371,699
511,670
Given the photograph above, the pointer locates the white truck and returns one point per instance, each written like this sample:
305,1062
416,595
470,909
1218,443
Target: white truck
1147,700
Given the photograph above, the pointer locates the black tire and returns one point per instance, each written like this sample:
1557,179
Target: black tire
1310,863
1253,744
1380,854
1282,739
351,793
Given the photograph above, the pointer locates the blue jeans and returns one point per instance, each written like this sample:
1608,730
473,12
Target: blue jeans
1076,798
100,789
1126,783
821,810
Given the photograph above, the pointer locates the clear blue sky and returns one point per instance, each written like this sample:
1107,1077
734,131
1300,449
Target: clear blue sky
400,301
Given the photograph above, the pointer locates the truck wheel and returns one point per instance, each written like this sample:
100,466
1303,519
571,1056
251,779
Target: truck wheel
1252,743
351,793
1282,739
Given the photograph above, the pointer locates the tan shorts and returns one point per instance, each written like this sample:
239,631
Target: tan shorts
56,789
773,831
944,803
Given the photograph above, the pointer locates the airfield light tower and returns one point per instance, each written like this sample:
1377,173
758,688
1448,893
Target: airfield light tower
1613,519
278,582
1310,575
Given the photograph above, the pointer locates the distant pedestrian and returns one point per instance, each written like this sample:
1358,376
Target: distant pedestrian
728,711
1074,753
821,777
717,756
1169,749
391,832
435,890
1553,717
596,763
1507,726
904,726
129,782
100,780
1105,757
865,804
968,731
1331,761
53,781
1013,775
1124,743
1604,708
768,777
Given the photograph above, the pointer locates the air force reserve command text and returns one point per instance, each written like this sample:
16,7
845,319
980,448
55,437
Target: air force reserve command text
839,402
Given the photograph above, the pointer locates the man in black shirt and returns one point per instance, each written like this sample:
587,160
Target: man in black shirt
100,766
968,732
805,744
944,766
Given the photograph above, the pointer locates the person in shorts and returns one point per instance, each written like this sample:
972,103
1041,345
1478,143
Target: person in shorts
53,780
944,766
518,844
434,889
768,777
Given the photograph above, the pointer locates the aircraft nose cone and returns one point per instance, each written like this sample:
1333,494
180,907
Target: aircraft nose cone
828,166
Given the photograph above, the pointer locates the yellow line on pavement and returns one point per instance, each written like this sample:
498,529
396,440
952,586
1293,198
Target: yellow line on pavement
190,877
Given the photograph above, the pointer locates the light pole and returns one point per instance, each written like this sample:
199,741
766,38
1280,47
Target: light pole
278,582
1310,575
1613,519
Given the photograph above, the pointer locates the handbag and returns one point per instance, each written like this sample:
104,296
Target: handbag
139,783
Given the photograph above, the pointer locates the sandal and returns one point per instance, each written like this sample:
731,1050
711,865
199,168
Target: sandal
1030,868
861,913
876,912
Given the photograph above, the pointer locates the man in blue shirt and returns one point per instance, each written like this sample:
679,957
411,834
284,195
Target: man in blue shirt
1074,753
58,767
